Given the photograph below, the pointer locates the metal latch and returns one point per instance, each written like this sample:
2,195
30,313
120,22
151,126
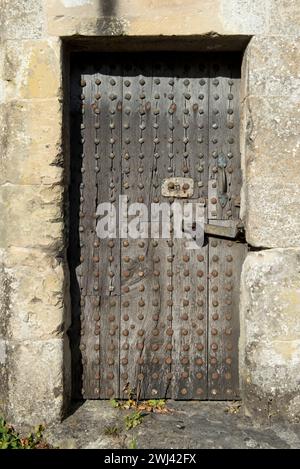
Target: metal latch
232,230
177,187
229,231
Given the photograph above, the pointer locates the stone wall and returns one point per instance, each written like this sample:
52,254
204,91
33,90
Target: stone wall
270,332
34,305
270,293
34,309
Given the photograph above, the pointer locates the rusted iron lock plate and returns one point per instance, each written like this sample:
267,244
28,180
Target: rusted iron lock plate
177,187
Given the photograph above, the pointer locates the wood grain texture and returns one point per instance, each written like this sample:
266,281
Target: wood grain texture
109,121
90,342
189,266
225,262
136,165
161,359
159,319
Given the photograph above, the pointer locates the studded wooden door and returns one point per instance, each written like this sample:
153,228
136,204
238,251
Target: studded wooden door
157,319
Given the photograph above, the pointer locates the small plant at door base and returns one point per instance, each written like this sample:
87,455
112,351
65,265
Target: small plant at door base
129,403
10,439
133,420
233,408
115,403
130,392
151,405
112,430
155,404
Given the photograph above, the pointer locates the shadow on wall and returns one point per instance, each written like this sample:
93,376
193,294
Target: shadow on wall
110,25
108,7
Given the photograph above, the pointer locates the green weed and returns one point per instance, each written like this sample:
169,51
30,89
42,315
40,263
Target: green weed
10,439
112,430
133,420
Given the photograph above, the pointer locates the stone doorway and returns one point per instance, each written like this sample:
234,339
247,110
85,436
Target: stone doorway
35,302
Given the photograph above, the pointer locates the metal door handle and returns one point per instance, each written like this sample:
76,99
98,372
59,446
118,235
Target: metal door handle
222,180
223,188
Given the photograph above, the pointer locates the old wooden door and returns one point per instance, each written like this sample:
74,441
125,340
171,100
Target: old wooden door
158,319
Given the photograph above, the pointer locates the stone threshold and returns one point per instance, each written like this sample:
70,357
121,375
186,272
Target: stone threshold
189,425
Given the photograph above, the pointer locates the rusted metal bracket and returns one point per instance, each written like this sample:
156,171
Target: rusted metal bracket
231,231
179,187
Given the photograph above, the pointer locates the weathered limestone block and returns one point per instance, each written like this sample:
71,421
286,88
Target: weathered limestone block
284,17
5,312
5,295
84,17
32,217
270,333
2,82
271,165
32,69
30,148
272,66
3,376
155,17
22,19
26,19
36,382
4,398
34,364
244,16
35,295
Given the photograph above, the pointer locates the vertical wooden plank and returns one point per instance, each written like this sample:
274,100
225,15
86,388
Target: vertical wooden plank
162,248
226,256
144,261
135,310
199,125
180,363
234,254
233,167
218,144
148,298
198,258
189,266
108,103
144,286
149,358
87,228
154,364
225,171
